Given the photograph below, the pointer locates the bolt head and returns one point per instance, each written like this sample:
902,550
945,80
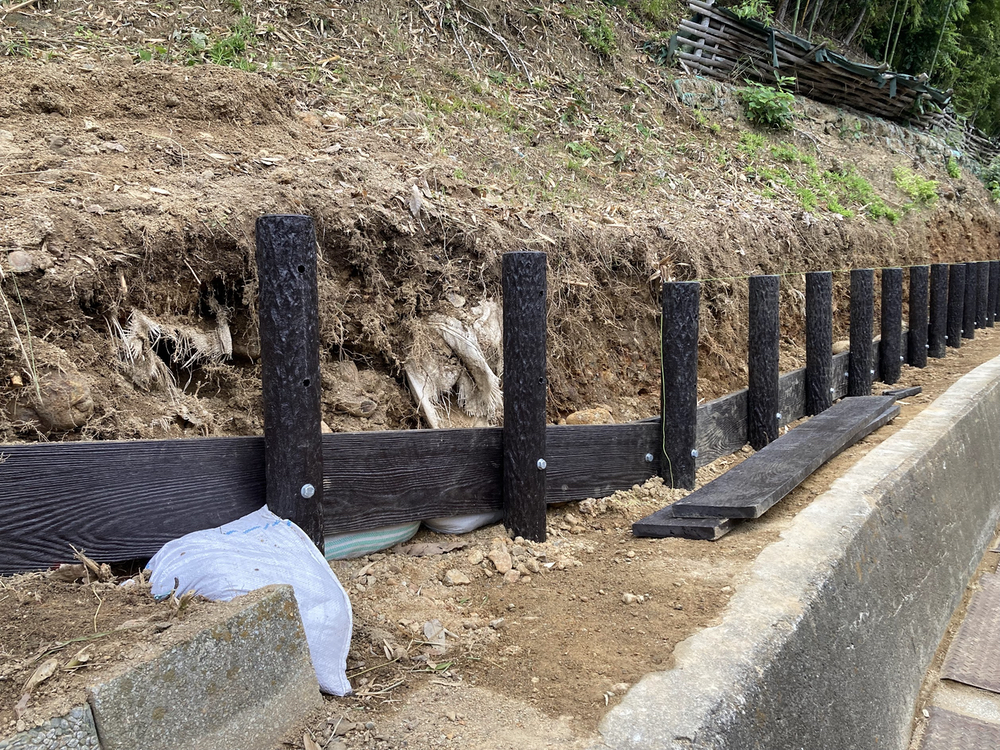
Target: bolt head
649,458
694,453
778,415
307,491
541,464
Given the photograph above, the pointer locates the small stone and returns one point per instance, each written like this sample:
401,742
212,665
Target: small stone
629,598
454,577
497,624
20,261
501,560
475,557
171,100
511,576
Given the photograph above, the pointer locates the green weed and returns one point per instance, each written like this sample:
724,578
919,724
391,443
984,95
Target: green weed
922,192
954,171
768,107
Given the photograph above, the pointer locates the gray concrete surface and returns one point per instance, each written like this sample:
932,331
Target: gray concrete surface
826,644
74,731
242,682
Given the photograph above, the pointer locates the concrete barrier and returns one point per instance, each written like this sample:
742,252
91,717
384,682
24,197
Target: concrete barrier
826,644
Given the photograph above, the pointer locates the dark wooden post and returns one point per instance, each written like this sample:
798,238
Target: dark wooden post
288,315
982,293
956,304
524,464
762,352
916,345
819,341
860,370
969,308
937,331
891,330
679,391
991,301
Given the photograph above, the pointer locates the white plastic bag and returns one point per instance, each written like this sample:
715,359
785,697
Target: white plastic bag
258,550
462,524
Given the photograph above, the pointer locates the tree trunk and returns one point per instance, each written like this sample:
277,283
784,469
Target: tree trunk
888,37
782,12
857,25
944,25
899,28
815,15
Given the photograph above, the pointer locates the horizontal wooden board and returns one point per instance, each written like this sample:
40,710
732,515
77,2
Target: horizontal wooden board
597,460
749,489
664,524
120,500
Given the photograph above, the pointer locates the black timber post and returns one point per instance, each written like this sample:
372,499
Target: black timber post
937,330
679,389
762,354
819,341
860,370
969,308
956,304
983,294
991,300
916,346
890,347
288,315
524,292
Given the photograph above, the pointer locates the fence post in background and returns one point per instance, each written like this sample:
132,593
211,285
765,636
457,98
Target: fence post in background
891,329
969,308
288,315
983,318
956,304
819,341
762,354
679,387
937,330
860,370
991,299
916,345
524,287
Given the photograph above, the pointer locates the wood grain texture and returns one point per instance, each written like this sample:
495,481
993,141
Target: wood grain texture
523,278
982,293
819,341
890,357
749,489
994,290
762,358
663,523
679,391
994,303
969,306
597,460
120,500
937,329
861,370
956,304
916,350
288,315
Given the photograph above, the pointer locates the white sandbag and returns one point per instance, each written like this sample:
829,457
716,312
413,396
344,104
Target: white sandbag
358,543
462,524
258,550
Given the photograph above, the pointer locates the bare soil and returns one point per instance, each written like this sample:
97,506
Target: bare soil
130,181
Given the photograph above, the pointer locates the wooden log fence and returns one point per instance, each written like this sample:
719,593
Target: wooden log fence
122,500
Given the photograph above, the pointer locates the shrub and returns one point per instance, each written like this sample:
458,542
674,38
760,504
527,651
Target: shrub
954,171
766,106
921,190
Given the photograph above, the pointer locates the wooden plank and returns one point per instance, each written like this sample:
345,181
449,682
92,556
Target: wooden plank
120,500
524,464
679,389
890,358
762,360
288,315
969,308
916,351
597,460
983,294
664,523
861,372
819,341
749,489
379,479
722,427
994,290
937,330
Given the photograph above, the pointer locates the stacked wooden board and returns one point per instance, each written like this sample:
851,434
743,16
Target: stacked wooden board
751,488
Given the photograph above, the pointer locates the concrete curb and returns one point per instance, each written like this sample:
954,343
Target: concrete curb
827,643
242,682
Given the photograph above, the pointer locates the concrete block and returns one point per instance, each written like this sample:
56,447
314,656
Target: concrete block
827,643
73,730
239,683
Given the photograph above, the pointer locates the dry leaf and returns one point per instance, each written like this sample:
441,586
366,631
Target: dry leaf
22,705
42,672
415,201
426,549
68,573
80,659
309,743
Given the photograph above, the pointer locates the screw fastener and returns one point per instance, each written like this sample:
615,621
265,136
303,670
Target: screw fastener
694,453
649,458
541,464
307,491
